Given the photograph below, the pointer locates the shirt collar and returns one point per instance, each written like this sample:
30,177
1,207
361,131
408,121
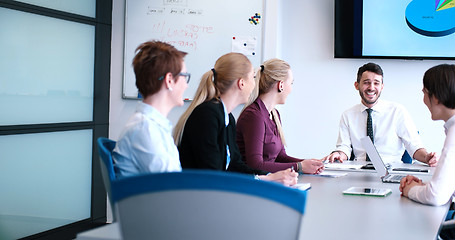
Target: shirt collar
154,115
378,107
449,124
262,108
226,115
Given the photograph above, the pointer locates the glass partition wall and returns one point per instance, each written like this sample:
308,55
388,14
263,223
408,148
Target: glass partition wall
54,104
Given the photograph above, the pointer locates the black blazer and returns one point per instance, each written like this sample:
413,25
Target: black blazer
204,139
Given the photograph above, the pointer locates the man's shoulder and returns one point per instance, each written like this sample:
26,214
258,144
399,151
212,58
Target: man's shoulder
353,109
390,106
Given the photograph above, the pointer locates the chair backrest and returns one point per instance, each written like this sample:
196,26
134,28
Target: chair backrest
207,205
105,148
406,158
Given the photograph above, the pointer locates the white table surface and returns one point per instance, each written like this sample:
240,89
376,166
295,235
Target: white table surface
331,215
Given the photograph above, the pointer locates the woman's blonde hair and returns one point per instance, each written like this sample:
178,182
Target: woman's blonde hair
228,68
271,72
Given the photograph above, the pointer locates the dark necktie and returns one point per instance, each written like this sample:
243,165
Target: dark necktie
369,127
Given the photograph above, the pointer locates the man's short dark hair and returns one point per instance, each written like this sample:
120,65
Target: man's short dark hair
370,67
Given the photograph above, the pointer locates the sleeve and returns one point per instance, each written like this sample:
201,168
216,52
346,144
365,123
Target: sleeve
283,157
344,138
252,127
201,131
407,131
441,187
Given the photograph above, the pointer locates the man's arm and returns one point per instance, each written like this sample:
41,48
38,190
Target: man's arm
409,135
423,156
343,147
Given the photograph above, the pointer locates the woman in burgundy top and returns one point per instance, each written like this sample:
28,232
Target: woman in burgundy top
259,134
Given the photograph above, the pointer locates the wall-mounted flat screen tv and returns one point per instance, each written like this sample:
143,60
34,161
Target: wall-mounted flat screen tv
409,29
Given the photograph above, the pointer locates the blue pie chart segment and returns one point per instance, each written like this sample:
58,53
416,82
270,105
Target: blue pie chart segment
431,18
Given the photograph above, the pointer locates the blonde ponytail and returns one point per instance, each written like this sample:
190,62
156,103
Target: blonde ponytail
204,92
228,68
277,121
255,92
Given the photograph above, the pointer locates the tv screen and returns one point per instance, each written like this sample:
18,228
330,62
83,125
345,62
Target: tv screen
417,29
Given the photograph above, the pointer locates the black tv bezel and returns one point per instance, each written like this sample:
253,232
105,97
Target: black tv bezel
348,33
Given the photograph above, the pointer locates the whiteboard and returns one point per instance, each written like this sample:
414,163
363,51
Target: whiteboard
205,29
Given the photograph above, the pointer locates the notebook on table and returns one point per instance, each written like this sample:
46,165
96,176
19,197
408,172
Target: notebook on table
379,165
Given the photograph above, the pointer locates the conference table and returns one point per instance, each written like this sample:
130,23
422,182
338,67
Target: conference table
331,215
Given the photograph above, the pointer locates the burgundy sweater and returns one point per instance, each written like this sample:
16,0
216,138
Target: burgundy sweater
259,141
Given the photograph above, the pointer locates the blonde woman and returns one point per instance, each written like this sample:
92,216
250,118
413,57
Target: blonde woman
205,133
259,132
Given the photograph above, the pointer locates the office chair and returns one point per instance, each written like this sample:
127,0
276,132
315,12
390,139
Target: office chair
447,230
406,158
207,205
105,148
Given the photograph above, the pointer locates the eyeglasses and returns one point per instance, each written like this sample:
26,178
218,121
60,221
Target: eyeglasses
186,75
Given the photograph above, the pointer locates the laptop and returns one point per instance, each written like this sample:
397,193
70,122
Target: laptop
378,164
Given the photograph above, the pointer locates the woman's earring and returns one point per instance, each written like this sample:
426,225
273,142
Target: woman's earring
280,90
170,89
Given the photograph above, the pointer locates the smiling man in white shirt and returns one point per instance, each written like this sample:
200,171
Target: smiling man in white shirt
393,130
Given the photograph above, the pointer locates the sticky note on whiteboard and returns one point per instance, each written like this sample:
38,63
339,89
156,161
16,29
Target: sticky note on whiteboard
245,45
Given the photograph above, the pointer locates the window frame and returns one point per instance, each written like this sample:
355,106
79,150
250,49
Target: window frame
100,123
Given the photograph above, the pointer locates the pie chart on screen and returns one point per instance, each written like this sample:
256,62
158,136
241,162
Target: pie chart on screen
432,18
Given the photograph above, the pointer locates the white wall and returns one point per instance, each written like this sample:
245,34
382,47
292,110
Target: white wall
323,88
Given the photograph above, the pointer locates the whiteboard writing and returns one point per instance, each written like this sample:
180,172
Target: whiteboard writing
204,29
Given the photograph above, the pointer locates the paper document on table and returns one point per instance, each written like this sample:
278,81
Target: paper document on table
302,186
342,166
328,174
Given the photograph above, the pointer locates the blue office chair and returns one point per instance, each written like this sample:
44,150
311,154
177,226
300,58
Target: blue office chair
207,205
406,158
105,148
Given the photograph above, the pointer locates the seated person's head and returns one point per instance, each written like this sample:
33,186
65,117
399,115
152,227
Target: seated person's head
369,67
439,81
272,72
152,62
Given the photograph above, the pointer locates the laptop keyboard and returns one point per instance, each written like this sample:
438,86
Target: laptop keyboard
393,178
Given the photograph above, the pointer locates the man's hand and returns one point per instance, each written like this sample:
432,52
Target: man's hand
336,156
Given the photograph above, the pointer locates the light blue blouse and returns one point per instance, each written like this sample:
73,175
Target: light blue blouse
146,144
